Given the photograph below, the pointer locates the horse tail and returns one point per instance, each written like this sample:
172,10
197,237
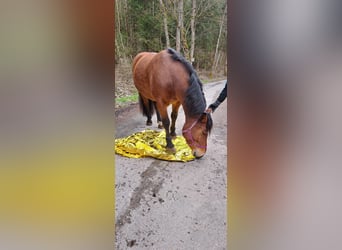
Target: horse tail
146,106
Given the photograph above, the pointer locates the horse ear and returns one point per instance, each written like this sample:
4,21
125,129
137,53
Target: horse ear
204,117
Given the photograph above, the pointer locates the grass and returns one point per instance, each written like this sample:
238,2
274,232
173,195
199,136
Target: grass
121,101
204,81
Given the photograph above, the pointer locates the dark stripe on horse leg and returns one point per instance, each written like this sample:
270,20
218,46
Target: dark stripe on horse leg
162,108
166,123
174,115
159,120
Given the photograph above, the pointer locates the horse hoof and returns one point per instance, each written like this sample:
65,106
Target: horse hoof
171,150
148,123
160,125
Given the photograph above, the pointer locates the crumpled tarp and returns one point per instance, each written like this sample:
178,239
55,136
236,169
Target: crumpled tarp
150,143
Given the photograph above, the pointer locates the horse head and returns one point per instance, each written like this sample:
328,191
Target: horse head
196,133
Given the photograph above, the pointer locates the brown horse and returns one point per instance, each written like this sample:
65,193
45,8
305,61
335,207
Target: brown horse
166,78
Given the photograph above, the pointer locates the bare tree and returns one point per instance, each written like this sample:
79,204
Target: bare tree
163,8
217,55
192,23
179,25
118,37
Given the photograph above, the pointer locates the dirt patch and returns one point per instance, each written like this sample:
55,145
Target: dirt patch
124,85
123,111
131,243
147,185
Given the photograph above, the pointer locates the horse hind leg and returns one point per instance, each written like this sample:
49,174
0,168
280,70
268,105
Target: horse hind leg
146,107
149,121
159,120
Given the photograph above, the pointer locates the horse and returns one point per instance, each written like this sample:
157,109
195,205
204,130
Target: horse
167,78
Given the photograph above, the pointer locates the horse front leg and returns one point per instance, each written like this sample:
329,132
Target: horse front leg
174,115
166,123
159,120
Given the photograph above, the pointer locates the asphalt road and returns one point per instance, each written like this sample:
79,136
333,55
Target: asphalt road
173,205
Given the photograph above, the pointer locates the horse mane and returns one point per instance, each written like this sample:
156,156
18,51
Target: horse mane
194,97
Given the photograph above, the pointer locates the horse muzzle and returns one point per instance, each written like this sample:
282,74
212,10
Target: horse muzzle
198,152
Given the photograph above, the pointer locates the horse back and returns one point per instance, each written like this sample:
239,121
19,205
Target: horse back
159,78
142,59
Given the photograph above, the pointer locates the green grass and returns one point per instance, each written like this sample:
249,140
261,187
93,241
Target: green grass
206,81
127,99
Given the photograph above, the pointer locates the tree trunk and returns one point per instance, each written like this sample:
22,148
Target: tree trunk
192,45
218,40
118,34
179,25
163,8
185,45
183,40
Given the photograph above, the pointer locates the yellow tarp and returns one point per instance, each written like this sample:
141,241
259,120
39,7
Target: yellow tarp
150,143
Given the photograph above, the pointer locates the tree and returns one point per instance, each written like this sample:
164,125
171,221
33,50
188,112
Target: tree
192,45
216,56
180,25
196,28
163,8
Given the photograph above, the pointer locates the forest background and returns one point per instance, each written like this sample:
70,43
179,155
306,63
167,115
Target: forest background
195,28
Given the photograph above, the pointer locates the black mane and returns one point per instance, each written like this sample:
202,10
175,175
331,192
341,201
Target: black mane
194,98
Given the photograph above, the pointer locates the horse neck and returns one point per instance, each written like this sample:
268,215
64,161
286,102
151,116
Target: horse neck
189,120
191,117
